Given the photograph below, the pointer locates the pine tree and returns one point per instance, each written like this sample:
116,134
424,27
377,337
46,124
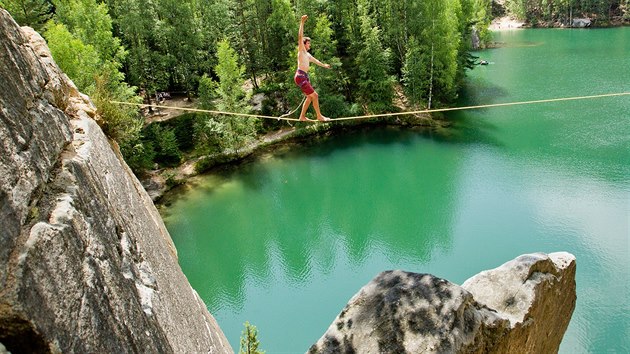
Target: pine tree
249,340
230,73
207,131
226,131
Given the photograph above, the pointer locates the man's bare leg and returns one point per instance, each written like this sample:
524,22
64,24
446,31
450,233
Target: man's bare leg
315,97
307,103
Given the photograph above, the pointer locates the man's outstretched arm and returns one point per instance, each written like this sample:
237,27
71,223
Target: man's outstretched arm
314,60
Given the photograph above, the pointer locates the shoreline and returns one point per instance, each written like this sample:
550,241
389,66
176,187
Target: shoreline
507,23
161,183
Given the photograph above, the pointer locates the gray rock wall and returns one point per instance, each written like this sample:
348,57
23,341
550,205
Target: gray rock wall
524,306
86,264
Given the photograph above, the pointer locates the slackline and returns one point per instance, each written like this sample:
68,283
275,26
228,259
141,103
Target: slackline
284,117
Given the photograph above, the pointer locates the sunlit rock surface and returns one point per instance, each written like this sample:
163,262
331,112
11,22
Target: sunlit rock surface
524,306
86,264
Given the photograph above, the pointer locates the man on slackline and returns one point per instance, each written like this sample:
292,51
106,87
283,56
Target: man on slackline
304,59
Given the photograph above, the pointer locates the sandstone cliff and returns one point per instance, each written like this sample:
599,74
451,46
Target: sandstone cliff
524,306
86,264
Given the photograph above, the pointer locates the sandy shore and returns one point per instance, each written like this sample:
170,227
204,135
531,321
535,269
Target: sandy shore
505,23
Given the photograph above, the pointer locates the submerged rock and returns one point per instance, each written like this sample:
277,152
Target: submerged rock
524,306
86,263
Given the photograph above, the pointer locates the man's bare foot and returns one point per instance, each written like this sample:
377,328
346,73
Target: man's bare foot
304,119
323,119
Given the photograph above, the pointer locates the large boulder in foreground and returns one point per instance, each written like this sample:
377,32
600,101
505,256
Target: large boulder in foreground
523,306
86,264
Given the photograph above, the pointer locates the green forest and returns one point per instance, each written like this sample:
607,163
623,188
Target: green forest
211,51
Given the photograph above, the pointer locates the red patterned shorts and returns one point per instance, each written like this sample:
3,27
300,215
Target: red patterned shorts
301,79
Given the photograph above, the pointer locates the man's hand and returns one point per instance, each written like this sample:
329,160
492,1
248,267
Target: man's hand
327,66
304,17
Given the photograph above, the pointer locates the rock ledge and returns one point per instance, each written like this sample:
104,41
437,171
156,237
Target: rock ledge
523,306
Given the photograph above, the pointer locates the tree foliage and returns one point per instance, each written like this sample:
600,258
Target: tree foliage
166,149
78,60
413,72
82,41
375,88
563,11
33,13
230,73
280,28
224,131
90,22
249,340
224,51
330,84
232,98
169,45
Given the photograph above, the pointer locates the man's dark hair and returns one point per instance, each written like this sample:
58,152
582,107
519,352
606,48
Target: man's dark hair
306,39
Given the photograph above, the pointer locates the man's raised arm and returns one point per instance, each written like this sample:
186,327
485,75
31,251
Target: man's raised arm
301,33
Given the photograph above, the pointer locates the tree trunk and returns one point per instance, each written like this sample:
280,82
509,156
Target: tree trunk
431,79
147,100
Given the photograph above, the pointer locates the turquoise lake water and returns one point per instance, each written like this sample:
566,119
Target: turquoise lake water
285,241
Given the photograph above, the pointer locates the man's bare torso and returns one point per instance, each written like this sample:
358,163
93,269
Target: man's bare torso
304,60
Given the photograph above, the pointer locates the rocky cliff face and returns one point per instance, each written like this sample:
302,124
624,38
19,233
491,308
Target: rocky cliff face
86,264
524,306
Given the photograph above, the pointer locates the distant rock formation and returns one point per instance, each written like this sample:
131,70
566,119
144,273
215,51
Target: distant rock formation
86,264
524,306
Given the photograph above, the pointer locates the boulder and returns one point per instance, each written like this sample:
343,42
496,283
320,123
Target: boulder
581,22
523,306
86,263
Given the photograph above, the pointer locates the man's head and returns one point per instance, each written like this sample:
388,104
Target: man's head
307,43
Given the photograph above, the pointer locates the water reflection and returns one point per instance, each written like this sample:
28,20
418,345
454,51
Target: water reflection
296,208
